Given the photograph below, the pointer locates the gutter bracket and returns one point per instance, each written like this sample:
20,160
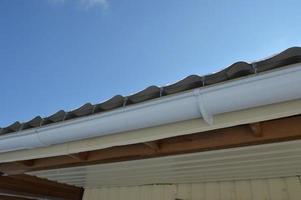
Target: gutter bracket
201,105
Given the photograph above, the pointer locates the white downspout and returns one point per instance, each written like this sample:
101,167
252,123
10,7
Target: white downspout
207,116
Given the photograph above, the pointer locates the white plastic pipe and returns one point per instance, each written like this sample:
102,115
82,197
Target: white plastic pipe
258,90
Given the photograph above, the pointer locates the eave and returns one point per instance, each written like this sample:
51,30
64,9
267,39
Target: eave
278,130
249,116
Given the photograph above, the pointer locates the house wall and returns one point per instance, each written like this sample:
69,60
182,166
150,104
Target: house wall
287,188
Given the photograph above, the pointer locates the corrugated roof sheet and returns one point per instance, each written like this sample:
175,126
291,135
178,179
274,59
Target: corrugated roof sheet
236,70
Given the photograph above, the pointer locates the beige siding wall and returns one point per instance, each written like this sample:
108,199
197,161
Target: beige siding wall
288,188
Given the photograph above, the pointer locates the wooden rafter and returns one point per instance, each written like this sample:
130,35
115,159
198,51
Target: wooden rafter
256,129
29,187
269,131
10,197
83,156
28,163
154,145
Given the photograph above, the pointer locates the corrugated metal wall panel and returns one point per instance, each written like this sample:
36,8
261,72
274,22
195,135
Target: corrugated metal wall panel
288,188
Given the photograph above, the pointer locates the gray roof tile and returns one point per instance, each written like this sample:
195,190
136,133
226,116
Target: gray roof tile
287,57
144,95
236,70
190,82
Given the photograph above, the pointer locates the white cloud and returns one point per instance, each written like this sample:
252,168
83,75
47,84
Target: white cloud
57,1
104,4
91,3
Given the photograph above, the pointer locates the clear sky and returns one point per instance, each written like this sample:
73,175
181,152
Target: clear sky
60,54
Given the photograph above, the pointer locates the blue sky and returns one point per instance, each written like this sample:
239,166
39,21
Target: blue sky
60,54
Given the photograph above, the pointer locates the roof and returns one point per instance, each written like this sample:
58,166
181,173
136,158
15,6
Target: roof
236,70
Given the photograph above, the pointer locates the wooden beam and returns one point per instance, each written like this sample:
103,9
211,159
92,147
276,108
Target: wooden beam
80,156
28,163
37,188
256,129
9,197
270,131
154,145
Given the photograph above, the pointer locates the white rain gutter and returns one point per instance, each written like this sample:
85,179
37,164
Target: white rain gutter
258,90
